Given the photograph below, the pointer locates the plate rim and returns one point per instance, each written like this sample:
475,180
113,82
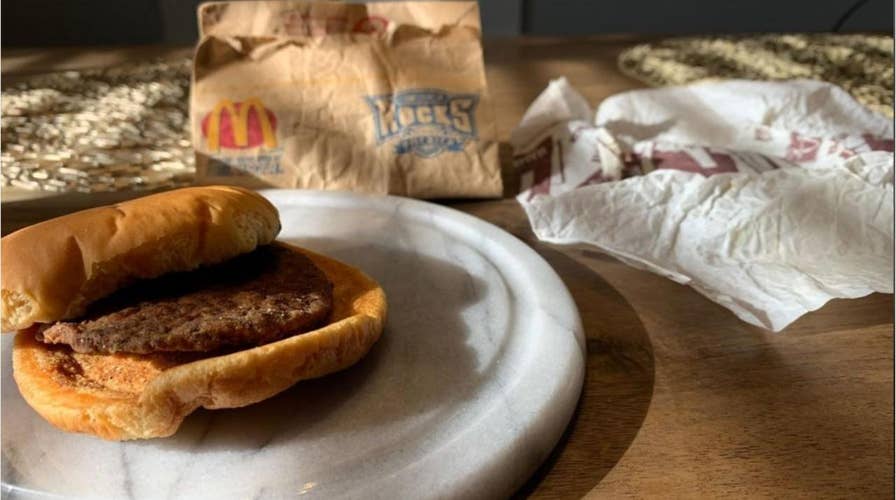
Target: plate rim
514,245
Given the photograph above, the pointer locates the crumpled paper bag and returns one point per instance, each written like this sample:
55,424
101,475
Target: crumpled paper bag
768,198
381,97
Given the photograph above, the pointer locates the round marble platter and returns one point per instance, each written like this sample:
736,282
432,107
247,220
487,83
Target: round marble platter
471,385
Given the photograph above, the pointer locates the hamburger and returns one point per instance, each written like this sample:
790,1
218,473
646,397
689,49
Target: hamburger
131,316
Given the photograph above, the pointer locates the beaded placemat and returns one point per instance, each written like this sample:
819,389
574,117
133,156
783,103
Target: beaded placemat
123,127
861,64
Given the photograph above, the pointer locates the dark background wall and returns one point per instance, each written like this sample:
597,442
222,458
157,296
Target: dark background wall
706,16
108,22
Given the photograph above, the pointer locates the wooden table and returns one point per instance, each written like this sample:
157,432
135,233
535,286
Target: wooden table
681,399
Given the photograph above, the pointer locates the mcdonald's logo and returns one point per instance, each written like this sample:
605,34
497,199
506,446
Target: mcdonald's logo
239,125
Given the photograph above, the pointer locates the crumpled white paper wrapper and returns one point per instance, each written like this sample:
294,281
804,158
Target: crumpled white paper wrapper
768,198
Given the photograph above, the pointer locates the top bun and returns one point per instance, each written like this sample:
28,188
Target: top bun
53,270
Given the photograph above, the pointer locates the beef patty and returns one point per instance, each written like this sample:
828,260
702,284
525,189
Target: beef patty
260,297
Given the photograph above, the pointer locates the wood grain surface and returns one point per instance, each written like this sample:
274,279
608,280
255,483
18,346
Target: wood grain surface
681,399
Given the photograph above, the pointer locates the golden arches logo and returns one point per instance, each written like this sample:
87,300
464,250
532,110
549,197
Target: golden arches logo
230,125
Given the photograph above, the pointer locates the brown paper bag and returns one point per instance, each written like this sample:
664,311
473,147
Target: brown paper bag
381,98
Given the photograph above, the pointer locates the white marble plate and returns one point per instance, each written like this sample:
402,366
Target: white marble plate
471,385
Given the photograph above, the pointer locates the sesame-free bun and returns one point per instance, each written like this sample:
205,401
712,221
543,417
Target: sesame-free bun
122,396
53,270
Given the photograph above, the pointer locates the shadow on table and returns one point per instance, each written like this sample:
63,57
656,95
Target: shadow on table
618,386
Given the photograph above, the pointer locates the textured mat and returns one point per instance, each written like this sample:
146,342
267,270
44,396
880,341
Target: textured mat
123,127
861,64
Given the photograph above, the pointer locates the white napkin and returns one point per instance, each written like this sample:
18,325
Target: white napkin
768,198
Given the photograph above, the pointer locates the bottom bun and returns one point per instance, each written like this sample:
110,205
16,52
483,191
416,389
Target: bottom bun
124,396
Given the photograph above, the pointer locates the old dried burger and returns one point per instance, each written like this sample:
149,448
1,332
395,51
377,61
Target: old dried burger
129,317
